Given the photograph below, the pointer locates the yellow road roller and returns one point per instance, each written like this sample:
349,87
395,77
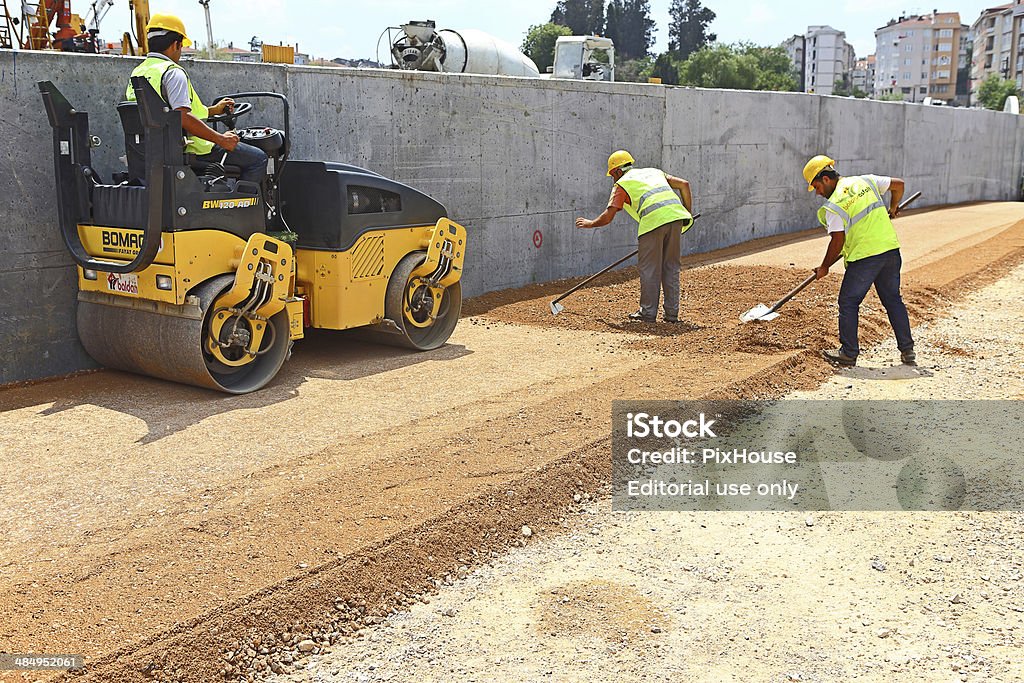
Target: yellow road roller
187,273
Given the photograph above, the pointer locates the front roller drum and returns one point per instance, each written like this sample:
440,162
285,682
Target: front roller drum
408,303
173,346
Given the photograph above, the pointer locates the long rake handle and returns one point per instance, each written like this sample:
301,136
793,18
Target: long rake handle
598,274
810,278
601,272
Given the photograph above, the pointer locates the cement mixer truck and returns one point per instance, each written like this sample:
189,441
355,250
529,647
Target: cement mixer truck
420,46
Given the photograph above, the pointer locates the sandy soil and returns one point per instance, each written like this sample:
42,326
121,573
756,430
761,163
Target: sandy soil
156,528
745,597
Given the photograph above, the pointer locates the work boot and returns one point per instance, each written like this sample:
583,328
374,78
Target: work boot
639,316
837,356
908,357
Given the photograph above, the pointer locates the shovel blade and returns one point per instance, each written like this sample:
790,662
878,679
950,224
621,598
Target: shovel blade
759,312
556,308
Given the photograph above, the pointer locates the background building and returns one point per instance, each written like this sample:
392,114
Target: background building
863,76
918,56
998,47
822,57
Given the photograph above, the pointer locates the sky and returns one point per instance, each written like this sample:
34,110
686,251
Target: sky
351,29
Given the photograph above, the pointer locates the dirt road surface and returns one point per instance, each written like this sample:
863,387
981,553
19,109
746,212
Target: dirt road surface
156,528
828,596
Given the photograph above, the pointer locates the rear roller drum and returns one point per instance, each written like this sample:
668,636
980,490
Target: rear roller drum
175,347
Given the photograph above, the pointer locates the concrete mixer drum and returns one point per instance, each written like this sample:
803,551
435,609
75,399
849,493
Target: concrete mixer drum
422,47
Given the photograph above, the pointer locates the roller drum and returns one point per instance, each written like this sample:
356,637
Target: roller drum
404,334
170,347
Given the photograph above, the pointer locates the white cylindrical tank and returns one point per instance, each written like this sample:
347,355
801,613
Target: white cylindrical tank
475,52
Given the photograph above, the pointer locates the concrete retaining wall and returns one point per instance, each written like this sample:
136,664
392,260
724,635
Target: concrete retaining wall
514,160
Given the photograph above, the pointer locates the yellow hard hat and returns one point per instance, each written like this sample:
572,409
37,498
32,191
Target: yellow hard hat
815,166
167,22
620,158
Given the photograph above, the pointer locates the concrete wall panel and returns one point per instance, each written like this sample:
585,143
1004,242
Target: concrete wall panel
514,160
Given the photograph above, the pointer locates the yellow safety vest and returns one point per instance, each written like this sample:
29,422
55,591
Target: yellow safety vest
652,202
858,204
154,68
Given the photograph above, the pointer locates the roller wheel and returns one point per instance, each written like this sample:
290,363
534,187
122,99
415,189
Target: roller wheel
172,347
413,336
255,374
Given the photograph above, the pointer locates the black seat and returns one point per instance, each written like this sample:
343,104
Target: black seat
134,141
135,149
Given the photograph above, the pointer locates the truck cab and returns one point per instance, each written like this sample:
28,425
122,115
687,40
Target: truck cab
588,58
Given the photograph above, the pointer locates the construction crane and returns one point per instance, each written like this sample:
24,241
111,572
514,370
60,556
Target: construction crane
97,11
28,27
140,18
211,51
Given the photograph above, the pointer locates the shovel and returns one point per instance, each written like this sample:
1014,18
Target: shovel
764,313
557,308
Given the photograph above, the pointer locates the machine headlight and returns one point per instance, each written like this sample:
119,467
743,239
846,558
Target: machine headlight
164,282
88,274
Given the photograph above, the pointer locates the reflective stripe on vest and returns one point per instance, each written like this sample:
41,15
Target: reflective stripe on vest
153,69
652,203
857,202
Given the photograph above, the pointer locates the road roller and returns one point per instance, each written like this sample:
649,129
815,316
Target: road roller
187,273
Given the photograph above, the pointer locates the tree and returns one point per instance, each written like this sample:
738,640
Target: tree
719,66
629,25
774,68
994,90
666,67
892,97
539,44
583,17
742,66
634,70
688,28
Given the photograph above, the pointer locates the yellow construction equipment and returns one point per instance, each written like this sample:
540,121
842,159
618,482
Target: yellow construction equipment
189,274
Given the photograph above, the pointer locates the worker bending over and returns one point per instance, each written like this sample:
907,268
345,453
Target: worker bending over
166,37
861,231
648,195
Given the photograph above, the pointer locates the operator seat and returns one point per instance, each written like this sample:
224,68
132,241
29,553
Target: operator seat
134,141
135,149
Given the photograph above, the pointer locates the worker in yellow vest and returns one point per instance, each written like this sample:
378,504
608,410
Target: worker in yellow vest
860,229
649,196
166,36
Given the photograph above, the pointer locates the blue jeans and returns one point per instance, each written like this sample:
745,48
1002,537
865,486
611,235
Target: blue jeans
252,160
883,271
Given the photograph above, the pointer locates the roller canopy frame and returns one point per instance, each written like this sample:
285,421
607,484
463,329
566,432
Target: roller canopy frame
74,172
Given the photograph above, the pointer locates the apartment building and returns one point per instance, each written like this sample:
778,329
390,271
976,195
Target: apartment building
863,75
998,46
821,57
918,56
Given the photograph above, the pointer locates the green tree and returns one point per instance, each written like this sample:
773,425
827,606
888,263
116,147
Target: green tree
634,70
892,97
994,90
742,66
775,70
584,17
688,27
629,25
539,44
666,67
719,66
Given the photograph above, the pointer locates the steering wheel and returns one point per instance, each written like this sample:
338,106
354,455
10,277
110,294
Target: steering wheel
241,109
